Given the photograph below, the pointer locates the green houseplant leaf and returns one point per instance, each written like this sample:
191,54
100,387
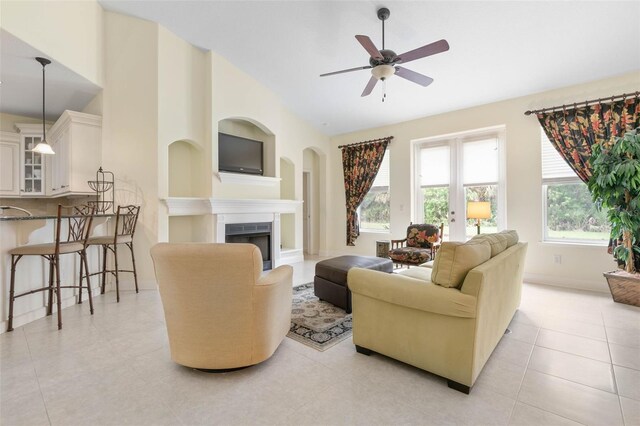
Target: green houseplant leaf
615,187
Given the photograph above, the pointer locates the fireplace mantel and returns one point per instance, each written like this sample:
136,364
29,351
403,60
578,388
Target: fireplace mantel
187,206
226,211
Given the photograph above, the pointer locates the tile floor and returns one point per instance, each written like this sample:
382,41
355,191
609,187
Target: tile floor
572,358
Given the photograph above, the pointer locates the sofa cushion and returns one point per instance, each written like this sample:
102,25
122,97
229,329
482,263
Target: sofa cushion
454,259
512,236
415,255
418,273
422,235
498,242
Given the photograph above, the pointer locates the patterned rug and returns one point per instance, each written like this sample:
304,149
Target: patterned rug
317,323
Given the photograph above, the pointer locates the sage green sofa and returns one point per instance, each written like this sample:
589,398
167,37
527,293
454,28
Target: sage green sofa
448,327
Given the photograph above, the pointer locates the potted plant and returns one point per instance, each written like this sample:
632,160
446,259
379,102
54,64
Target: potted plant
615,186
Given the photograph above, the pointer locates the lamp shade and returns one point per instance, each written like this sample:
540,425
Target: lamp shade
381,72
43,148
478,210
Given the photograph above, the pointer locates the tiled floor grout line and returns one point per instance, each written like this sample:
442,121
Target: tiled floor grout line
613,373
44,403
526,367
578,355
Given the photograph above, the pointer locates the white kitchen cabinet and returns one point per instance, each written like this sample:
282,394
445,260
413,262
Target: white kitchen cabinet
32,164
76,139
9,164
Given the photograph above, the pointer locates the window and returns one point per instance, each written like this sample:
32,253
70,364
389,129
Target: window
569,212
434,184
374,210
480,179
455,169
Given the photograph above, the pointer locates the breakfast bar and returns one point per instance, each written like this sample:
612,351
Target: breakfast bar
33,271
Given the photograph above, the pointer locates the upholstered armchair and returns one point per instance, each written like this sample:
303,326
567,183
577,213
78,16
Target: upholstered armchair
418,247
221,312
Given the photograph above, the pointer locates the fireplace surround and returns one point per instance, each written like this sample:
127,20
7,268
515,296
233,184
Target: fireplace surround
257,233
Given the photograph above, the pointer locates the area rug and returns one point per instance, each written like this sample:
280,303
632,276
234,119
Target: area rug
317,323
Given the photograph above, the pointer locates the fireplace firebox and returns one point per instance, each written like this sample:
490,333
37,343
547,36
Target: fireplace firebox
258,234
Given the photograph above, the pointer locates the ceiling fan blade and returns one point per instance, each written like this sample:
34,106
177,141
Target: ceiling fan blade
349,70
370,85
369,47
424,51
416,77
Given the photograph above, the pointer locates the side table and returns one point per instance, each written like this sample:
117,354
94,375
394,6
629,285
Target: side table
382,248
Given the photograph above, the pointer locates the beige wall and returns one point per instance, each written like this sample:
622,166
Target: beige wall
130,125
70,32
8,121
581,266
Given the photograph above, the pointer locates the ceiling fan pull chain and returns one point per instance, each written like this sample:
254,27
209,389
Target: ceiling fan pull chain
384,88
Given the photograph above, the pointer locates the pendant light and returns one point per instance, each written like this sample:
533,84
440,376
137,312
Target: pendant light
43,147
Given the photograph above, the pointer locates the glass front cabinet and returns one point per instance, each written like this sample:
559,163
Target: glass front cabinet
32,164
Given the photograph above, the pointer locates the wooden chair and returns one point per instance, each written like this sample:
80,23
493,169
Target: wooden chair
79,227
419,246
124,230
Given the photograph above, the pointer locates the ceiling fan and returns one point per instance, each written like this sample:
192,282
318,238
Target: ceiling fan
384,63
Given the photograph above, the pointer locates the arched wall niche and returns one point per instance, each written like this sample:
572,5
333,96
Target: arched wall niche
287,192
186,169
251,129
187,178
312,180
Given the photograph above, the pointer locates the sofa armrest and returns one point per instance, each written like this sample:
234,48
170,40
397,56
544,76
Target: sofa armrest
411,292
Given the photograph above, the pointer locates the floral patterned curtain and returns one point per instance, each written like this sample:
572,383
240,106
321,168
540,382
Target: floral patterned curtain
574,131
360,164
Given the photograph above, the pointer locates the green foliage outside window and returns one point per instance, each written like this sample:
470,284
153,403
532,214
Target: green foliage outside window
436,204
570,208
374,210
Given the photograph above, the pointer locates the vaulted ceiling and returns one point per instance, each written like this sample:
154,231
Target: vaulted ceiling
499,50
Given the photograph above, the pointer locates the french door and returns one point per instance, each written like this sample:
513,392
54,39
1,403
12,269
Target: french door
452,170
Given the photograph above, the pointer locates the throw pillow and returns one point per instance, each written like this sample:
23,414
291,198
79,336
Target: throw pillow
455,259
498,242
512,236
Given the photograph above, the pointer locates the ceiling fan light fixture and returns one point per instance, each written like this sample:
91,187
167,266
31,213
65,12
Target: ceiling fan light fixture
382,72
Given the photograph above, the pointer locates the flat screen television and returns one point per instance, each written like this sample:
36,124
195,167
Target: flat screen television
239,155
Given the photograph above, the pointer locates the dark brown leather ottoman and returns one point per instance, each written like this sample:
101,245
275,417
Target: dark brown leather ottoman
330,282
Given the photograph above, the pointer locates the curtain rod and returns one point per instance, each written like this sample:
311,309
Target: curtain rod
388,138
586,103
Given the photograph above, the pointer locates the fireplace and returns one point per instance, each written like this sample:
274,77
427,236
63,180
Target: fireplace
258,234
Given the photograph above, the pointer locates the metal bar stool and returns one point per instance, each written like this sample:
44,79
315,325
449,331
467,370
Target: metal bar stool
79,220
125,228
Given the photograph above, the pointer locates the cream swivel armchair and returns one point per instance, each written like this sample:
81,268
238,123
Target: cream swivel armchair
220,312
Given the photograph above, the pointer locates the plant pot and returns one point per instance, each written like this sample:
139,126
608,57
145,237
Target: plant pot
625,287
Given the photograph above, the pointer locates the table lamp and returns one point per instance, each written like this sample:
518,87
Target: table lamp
478,210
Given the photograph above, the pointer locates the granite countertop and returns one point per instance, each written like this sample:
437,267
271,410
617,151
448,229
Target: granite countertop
42,217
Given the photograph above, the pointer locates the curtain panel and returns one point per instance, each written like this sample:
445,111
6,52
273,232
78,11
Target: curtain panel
574,131
360,165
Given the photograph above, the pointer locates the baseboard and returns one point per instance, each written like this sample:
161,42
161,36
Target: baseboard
599,286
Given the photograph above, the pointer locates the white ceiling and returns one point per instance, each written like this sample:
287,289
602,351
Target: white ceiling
21,88
499,50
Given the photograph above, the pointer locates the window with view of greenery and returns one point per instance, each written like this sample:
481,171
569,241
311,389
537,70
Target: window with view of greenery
482,193
374,210
454,171
570,214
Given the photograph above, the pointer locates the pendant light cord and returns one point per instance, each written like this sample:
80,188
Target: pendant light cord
44,137
44,62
